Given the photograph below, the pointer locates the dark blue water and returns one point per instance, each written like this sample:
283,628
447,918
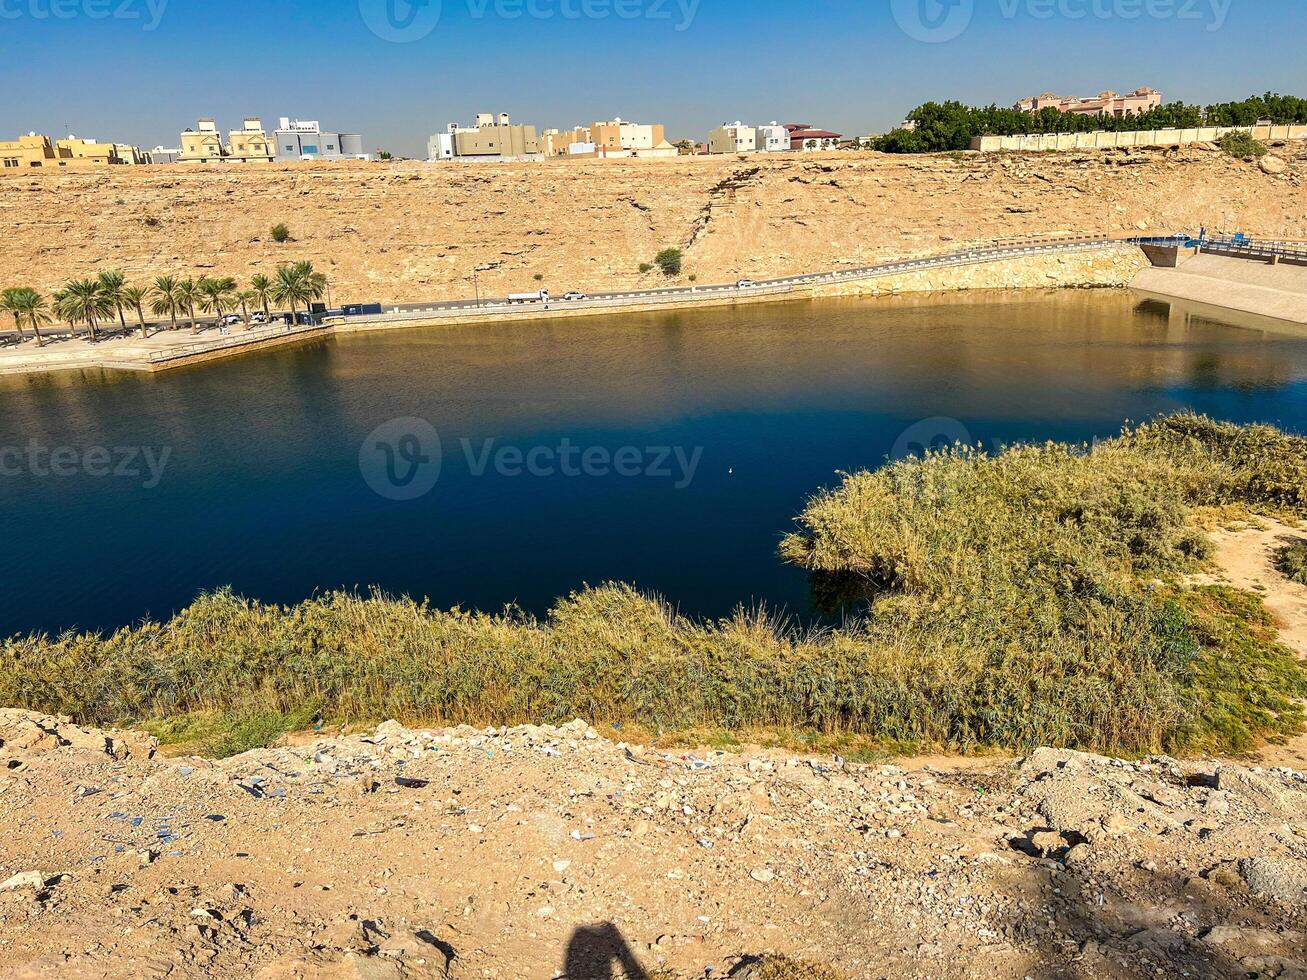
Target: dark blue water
263,489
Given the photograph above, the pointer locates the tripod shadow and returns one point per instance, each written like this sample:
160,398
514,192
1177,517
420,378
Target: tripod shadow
594,951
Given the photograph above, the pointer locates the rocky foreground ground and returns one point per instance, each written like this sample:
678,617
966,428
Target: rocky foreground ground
416,232
546,852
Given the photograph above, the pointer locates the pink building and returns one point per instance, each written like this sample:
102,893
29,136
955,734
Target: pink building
1109,103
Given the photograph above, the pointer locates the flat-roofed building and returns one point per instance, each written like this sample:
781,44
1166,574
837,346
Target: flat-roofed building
733,138
26,152
1107,103
202,144
494,138
300,139
250,144
773,138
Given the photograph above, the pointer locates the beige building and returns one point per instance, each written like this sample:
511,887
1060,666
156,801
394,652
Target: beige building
26,152
249,144
493,138
1105,103
733,138
35,150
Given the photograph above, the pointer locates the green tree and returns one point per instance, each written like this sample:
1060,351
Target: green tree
216,294
135,297
84,301
33,308
188,297
9,303
297,285
111,285
167,298
261,286
669,260
245,297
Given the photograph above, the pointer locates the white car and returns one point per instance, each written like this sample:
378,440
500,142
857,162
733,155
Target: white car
259,317
745,284
231,319
575,295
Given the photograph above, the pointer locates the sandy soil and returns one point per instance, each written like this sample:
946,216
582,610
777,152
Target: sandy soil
415,232
540,852
1244,559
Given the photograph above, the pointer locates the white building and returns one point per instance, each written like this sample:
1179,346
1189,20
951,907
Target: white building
733,138
773,138
301,139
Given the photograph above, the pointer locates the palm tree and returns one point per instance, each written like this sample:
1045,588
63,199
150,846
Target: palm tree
262,286
135,297
166,301
84,300
112,284
9,303
215,294
296,284
245,297
188,295
33,307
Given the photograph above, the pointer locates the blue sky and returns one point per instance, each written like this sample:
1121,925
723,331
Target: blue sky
141,70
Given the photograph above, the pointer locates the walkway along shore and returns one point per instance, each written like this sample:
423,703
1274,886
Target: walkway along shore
1029,263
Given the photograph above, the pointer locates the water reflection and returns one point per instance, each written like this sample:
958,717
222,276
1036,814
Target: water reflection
263,489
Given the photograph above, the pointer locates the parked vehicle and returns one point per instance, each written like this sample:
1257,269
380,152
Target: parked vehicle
362,309
539,296
259,318
573,294
232,319
745,284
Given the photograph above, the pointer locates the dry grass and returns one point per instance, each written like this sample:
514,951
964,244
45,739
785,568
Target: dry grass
1012,604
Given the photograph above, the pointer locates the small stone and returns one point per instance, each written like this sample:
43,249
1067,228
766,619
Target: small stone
1271,164
24,879
762,874
561,865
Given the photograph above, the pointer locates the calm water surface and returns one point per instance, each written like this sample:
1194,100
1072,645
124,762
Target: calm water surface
263,490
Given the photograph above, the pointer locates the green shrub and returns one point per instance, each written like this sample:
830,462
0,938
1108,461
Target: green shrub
1292,561
280,234
669,260
1242,145
646,266
1030,598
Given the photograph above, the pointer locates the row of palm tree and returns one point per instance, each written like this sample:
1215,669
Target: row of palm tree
109,295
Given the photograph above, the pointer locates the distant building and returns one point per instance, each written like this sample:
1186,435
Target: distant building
733,138
34,150
804,138
1105,103
492,139
163,154
249,144
773,138
617,138
298,139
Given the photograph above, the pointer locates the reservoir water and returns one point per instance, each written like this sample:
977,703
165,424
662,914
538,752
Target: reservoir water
509,464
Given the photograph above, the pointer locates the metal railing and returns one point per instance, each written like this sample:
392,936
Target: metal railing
497,309
233,341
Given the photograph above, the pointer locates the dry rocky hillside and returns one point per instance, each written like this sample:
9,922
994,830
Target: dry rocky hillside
412,232
541,852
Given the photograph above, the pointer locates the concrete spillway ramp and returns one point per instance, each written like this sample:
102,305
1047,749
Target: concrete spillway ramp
1278,291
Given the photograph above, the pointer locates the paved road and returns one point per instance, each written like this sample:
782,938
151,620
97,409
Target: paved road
963,257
